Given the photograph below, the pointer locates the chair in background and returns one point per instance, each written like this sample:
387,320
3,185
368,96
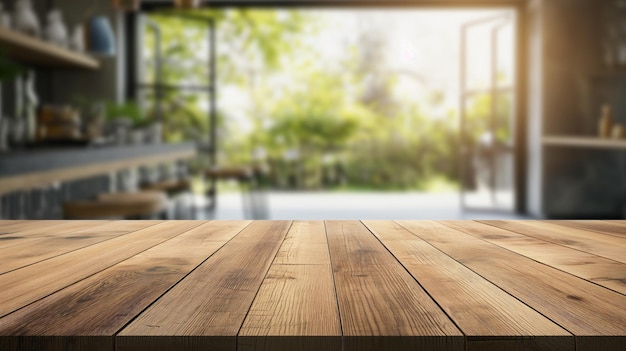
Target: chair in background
250,181
130,205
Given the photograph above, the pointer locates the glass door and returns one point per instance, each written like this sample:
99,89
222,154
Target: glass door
176,78
487,113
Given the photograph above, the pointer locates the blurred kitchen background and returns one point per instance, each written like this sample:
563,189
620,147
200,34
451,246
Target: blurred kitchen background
317,110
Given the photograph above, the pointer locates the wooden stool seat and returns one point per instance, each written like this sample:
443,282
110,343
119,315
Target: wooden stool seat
240,173
116,205
250,182
169,186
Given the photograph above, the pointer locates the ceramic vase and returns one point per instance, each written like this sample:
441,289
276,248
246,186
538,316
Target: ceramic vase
77,41
155,133
5,17
56,32
101,39
136,137
25,19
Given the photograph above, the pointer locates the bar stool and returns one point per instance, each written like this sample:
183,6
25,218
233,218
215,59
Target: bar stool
178,191
134,205
254,202
171,186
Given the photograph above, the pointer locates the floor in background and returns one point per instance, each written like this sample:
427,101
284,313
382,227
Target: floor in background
337,205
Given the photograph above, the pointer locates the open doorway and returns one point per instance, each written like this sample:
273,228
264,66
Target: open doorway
354,113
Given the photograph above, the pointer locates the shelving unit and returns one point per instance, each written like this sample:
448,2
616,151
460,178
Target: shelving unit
617,73
33,51
585,142
28,169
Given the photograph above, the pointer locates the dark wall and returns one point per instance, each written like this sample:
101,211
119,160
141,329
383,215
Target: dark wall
577,182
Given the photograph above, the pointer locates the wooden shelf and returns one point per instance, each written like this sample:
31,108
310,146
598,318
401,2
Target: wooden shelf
617,73
33,51
29,169
585,142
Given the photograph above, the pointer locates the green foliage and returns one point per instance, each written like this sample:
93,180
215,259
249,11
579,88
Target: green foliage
8,69
260,36
313,118
479,119
339,127
129,110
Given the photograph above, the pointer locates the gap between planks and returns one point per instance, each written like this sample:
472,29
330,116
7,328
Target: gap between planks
295,307
381,306
92,311
582,308
607,246
503,320
599,270
212,302
26,285
43,248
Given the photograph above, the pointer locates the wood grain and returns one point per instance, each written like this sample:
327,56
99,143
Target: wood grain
381,306
311,285
26,285
605,227
103,303
600,270
211,303
457,290
29,232
12,224
296,307
38,249
582,308
607,246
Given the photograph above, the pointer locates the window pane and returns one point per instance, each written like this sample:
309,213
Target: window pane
182,63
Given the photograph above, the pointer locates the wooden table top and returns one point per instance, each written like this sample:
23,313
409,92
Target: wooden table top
313,285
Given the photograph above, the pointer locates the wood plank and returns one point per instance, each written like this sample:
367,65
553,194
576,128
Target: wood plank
50,228
604,227
607,246
91,311
602,271
38,249
35,51
11,224
296,307
584,142
15,225
33,231
29,284
381,306
496,316
211,303
582,308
